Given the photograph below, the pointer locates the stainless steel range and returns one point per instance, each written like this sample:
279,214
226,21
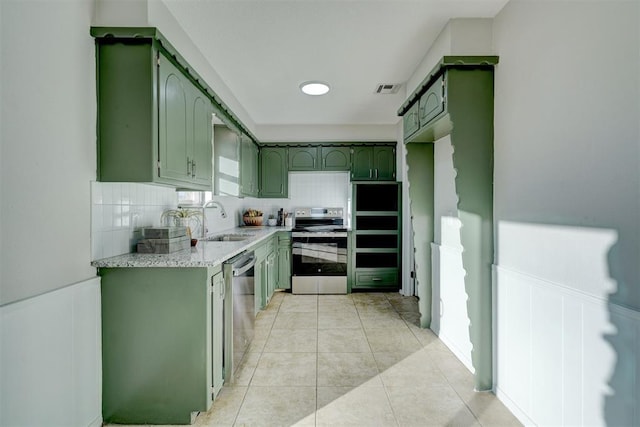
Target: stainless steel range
319,251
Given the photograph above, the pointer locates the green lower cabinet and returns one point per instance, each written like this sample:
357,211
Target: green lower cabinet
376,278
284,261
218,294
161,339
272,274
265,272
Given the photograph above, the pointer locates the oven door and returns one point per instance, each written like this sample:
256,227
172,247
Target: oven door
319,254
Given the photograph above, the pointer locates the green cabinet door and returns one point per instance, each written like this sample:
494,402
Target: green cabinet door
272,273
201,139
384,160
284,261
335,158
274,176
362,163
431,103
249,167
373,163
217,332
226,144
303,159
411,121
173,117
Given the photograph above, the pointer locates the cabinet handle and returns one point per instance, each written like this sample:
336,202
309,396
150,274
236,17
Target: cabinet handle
370,174
314,162
193,169
376,173
376,279
188,167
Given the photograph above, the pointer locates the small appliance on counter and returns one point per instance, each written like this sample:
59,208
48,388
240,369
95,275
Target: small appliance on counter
163,240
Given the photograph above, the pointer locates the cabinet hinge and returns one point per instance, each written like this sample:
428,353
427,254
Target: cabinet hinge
158,60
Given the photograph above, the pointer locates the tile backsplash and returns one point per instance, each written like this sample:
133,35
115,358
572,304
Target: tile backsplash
310,189
118,210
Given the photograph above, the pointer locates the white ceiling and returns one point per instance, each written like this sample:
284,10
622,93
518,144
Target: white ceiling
264,49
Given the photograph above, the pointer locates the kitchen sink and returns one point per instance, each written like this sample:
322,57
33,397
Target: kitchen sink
228,238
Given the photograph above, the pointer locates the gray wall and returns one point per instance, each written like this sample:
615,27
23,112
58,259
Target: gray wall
48,145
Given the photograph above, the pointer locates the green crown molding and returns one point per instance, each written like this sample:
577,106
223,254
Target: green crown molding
467,62
105,34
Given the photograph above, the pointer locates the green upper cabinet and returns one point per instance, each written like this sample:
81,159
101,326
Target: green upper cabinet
411,121
335,158
274,176
226,150
326,158
154,124
373,163
248,167
185,129
431,103
303,158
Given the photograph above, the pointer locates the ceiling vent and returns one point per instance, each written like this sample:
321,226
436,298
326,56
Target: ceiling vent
388,88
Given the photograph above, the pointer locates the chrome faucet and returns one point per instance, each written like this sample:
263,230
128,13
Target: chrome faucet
211,204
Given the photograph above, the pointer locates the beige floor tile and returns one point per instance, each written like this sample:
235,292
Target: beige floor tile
338,319
265,319
411,318
415,369
245,368
405,304
374,307
335,299
368,297
387,359
278,406
352,348
285,369
299,303
382,321
490,411
292,341
347,369
225,408
396,339
342,341
359,406
429,406
296,320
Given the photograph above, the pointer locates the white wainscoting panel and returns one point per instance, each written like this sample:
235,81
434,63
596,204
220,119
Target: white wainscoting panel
450,317
50,359
564,357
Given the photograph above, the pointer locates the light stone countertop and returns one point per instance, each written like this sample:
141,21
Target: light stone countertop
204,254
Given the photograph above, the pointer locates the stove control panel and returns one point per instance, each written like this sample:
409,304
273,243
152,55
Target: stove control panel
318,212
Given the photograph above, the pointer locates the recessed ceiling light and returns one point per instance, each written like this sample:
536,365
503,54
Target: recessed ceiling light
314,88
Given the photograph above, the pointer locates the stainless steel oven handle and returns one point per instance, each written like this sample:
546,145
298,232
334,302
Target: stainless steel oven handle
239,271
319,234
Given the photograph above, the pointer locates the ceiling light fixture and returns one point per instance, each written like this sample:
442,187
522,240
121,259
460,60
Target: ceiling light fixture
314,88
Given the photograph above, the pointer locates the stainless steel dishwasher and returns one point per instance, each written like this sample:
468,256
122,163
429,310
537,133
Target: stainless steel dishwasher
239,277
